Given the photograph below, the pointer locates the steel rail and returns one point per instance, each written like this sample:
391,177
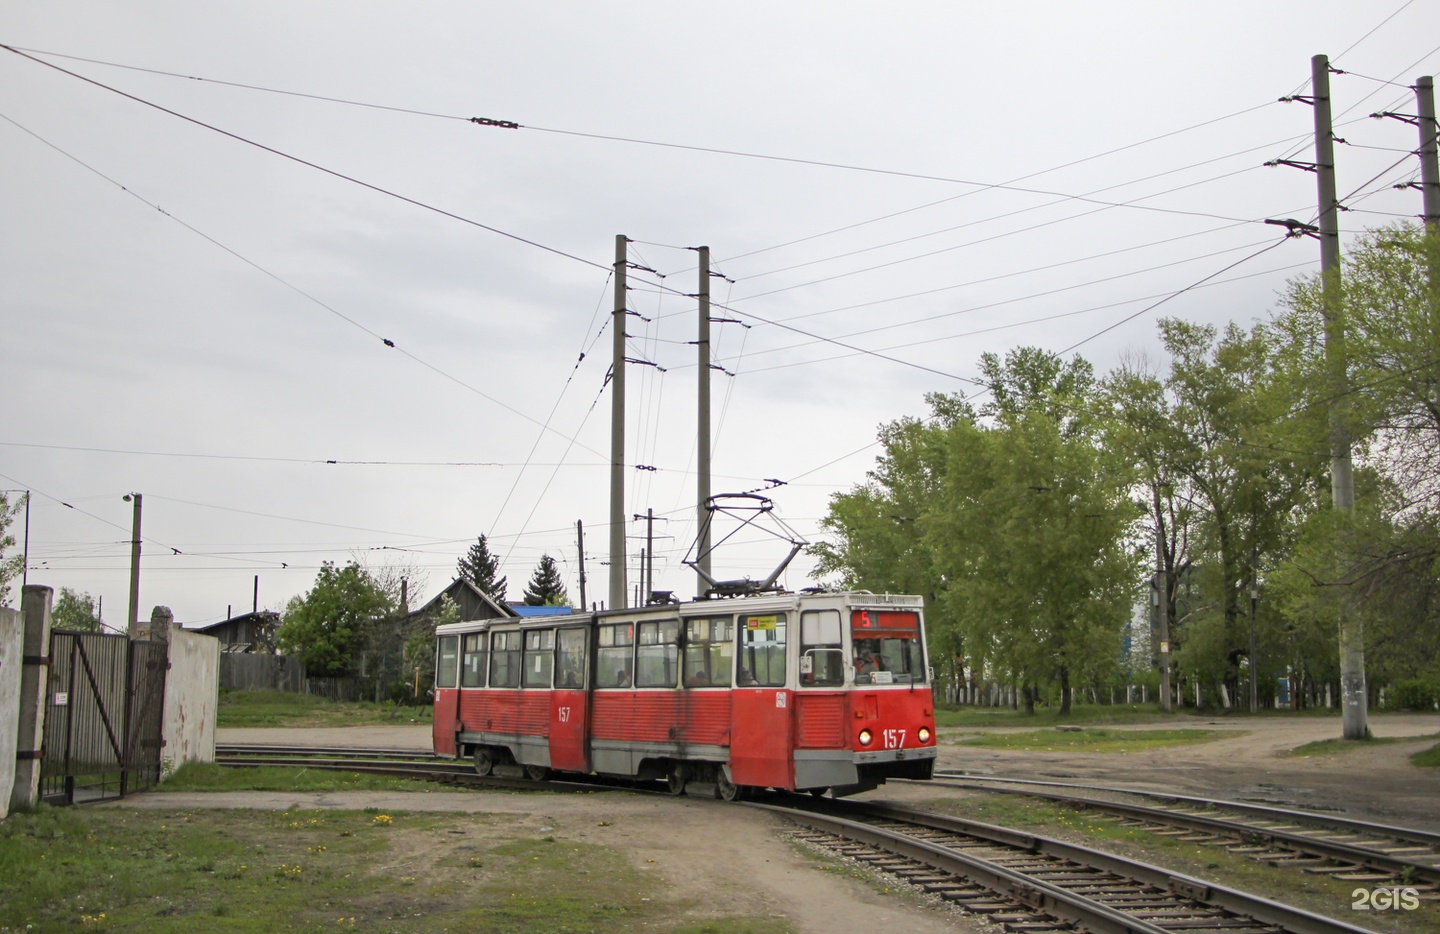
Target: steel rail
1265,912
1388,857
1408,834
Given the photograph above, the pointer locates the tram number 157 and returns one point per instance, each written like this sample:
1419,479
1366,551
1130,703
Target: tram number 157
564,714
893,739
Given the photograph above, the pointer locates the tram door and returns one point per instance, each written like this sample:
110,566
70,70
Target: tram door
570,704
762,722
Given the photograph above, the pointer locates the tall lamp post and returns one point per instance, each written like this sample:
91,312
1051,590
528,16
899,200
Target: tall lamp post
134,565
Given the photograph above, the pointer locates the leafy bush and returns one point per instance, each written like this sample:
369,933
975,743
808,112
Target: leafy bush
1415,694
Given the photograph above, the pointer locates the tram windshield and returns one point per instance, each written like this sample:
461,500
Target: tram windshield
886,647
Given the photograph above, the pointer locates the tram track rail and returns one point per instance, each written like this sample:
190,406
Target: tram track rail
1022,881
1028,882
1314,842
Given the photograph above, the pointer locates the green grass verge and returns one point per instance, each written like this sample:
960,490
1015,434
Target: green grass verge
1096,740
208,776
1329,747
179,870
1429,759
1088,713
282,708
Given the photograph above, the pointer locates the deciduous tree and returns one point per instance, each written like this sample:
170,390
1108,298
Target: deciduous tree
324,626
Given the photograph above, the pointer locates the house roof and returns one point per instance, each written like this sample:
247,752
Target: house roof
453,591
257,616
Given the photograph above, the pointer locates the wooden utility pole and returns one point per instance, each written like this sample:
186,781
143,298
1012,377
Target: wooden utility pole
702,460
619,598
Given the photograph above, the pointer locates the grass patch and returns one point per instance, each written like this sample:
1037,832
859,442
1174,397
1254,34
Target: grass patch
1096,740
1317,893
282,708
1329,747
1087,713
261,871
209,776
1429,759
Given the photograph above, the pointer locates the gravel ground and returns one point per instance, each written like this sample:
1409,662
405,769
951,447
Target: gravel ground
738,860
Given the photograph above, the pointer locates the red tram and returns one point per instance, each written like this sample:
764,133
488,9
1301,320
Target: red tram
788,691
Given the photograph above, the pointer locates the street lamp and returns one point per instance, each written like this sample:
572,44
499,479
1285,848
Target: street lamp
134,565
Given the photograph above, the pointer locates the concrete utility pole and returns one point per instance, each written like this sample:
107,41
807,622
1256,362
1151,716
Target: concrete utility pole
134,617
1429,175
1162,581
1354,702
619,599
702,460
580,547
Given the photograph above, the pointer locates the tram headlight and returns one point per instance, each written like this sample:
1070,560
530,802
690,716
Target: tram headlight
865,737
924,734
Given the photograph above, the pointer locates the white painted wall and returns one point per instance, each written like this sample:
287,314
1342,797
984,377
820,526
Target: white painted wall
12,629
192,693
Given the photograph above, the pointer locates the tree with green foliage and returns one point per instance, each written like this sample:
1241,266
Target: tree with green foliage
1032,534
419,653
13,566
1226,460
325,626
482,569
546,587
75,612
1373,572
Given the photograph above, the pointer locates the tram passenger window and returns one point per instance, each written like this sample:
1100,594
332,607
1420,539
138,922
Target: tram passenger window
887,648
505,660
472,661
822,656
709,651
762,651
613,659
657,656
445,653
570,660
539,657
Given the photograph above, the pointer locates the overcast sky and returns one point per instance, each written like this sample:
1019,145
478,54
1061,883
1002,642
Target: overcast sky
190,316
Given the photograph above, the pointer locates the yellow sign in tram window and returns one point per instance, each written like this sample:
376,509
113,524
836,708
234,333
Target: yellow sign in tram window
761,622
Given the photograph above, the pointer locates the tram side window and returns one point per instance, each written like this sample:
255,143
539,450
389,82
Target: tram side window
539,657
887,647
822,656
762,651
472,661
657,658
445,653
613,659
709,651
570,660
505,660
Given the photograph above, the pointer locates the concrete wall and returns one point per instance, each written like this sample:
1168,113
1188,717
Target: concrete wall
192,691
12,629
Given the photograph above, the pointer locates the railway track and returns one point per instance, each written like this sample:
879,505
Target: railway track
1027,882
1321,844
1024,882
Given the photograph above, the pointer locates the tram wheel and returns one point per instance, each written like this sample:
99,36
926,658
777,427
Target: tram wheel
819,792
536,773
484,761
675,780
725,789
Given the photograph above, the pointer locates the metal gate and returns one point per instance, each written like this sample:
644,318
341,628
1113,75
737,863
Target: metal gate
103,716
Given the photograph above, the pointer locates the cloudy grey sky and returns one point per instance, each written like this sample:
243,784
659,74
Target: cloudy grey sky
191,316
